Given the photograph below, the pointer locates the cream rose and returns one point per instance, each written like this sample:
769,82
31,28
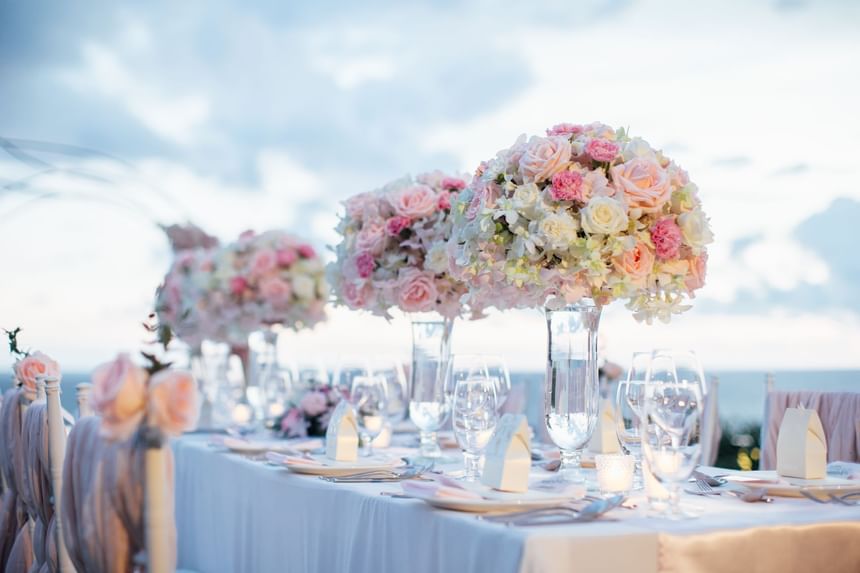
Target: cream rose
559,230
173,404
414,202
526,196
304,287
604,216
644,183
119,396
437,259
416,291
544,157
695,229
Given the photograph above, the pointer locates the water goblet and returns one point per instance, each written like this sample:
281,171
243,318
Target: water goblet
369,397
474,419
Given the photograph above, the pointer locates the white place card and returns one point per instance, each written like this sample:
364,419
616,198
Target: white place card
605,440
801,448
341,437
508,455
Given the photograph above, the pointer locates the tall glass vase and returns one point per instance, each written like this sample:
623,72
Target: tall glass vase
572,399
271,382
429,403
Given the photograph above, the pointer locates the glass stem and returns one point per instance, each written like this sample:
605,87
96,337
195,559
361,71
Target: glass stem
368,445
429,445
472,463
638,479
675,499
571,463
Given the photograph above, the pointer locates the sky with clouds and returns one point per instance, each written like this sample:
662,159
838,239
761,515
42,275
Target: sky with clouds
267,114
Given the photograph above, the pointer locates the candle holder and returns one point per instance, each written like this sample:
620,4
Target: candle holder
614,473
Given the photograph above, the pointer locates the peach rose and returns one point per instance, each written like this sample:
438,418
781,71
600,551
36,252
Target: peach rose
644,183
416,291
414,202
544,157
173,401
371,237
31,367
119,396
636,263
698,268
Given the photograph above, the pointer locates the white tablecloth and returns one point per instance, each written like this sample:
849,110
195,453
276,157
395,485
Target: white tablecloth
238,515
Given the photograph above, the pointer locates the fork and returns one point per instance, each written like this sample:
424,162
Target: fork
831,498
704,488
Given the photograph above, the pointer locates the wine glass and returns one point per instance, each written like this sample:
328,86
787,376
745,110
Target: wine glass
474,412
349,368
497,370
369,396
391,369
672,411
629,399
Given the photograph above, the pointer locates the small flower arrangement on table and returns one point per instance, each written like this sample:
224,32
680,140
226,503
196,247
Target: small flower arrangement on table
310,414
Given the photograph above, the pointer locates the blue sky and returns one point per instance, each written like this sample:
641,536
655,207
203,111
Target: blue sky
238,114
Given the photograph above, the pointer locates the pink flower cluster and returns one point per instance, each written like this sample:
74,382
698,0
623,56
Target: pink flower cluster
311,414
392,251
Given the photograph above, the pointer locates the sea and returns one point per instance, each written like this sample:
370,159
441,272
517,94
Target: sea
741,392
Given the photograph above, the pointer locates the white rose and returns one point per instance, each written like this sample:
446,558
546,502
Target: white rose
695,229
526,196
437,259
304,287
637,147
604,216
559,229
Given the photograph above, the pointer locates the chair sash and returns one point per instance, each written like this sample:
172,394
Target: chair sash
12,516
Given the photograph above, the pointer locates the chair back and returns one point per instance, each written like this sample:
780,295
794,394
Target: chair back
57,451
82,393
839,413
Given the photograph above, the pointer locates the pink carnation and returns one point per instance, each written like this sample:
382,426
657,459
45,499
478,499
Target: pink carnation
453,183
307,252
365,264
567,186
444,200
396,224
286,257
238,285
601,150
666,236
565,129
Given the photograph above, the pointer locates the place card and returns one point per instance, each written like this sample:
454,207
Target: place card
341,437
508,455
801,448
605,440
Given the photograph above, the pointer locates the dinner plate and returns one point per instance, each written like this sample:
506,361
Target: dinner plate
317,465
496,501
774,484
251,447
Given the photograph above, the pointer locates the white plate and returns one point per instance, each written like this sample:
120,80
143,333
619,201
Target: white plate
330,468
497,501
779,486
250,447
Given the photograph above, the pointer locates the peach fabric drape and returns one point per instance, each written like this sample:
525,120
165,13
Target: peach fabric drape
839,413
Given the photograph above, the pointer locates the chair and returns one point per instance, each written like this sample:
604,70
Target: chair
839,413
13,518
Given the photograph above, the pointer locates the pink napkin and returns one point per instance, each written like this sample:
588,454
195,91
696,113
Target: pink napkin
292,460
441,487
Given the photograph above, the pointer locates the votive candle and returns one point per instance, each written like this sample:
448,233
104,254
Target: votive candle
614,472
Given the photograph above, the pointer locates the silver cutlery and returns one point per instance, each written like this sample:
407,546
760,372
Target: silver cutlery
710,480
752,495
379,476
556,515
845,499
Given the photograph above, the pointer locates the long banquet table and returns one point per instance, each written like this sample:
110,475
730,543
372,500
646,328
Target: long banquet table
237,514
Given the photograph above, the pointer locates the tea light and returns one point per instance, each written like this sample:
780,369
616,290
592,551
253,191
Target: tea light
241,414
614,472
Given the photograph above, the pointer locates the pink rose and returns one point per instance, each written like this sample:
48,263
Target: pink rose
307,252
275,290
416,291
413,202
396,224
698,268
119,396
173,401
565,129
293,424
371,237
356,296
453,184
644,183
444,203
314,403
567,186
362,206
365,264
544,157
238,285
601,150
666,236
636,263
31,367
263,262
286,257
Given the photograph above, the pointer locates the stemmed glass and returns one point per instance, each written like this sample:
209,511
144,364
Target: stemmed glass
347,370
369,396
474,409
394,374
629,399
497,370
672,412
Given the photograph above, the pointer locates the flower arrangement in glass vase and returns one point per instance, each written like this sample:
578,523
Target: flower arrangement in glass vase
392,249
310,414
585,212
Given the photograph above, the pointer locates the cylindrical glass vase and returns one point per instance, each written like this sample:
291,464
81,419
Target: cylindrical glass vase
429,402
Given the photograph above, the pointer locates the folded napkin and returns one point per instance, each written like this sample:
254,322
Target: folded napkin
845,470
293,460
440,487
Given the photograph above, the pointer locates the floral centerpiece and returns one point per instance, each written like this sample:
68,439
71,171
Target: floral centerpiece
310,415
585,212
392,252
